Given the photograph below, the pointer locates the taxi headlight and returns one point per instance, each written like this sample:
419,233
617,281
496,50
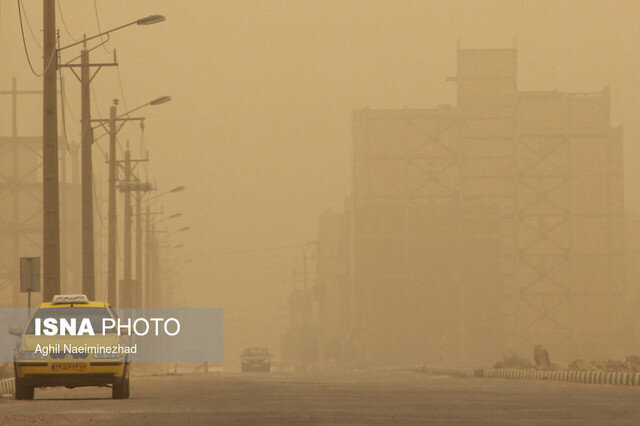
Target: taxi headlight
30,355
104,355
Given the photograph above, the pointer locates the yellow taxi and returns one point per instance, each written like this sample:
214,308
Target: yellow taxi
63,344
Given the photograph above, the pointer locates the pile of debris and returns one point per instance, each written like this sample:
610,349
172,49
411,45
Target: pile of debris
540,357
630,365
542,362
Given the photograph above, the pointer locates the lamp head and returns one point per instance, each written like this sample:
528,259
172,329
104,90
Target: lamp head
151,19
160,100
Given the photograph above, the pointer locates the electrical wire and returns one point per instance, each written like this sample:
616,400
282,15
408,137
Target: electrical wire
64,23
63,97
143,152
26,18
95,9
26,50
96,203
62,110
67,103
124,98
99,114
142,148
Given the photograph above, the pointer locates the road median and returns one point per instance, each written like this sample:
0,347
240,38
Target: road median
592,377
7,387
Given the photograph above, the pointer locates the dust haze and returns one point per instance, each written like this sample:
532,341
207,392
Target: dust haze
366,182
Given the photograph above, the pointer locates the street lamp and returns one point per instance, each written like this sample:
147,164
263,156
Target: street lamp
85,77
160,100
151,247
151,19
173,216
116,123
176,189
167,248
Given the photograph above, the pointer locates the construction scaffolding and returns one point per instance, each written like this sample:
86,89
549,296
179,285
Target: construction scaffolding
533,177
21,195
410,231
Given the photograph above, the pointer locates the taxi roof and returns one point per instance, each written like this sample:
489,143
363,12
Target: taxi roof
90,304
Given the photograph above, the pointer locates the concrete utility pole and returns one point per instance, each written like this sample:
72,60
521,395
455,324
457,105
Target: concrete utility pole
131,289
147,258
150,242
115,123
88,258
88,262
50,189
85,78
156,298
139,282
113,218
128,298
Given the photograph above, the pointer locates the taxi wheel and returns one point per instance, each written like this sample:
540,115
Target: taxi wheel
23,391
120,390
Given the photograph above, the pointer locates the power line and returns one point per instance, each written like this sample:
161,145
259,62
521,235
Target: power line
64,120
124,99
66,100
96,202
26,18
99,114
64,23
95,9
26,50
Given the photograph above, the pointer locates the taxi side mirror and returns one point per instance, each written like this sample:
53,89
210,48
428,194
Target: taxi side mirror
15,330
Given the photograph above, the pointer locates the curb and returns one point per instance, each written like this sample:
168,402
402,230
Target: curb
594,377
462,372
7,388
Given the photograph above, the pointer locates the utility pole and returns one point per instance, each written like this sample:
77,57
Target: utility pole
139,285
113,129
88,262
155,270
131,290
85,77
50,189
88,252
127,293
113,218
16,196
147,258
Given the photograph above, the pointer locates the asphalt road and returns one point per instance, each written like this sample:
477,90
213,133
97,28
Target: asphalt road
366,397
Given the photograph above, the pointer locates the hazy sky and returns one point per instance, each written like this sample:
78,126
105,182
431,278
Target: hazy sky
259,126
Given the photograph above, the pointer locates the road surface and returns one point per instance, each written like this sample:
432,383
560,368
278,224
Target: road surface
365,397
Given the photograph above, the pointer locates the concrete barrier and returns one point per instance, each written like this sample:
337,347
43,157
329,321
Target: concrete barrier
593,377
7,388
463,372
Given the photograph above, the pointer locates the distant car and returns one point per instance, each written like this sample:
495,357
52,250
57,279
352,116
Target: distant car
256,359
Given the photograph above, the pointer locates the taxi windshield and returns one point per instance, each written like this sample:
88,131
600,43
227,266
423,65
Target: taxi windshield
95,315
